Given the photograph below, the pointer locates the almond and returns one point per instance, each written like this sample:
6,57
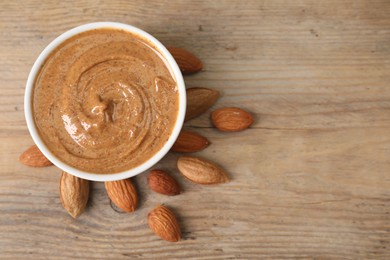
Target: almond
123,194
164,223
231,119
199,100
187,62
74,193
34,157
201,171
161,182
189,142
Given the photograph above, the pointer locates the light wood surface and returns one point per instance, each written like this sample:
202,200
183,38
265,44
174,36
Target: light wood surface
310,178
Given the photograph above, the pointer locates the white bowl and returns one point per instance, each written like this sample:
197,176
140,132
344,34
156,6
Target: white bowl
110,176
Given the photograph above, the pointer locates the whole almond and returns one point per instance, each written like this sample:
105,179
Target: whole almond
164,223
189,142
201,171
34,157
161,182
231,119
188,62
199,100
123,194
74,193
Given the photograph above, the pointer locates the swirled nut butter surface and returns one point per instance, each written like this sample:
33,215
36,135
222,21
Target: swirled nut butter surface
105,101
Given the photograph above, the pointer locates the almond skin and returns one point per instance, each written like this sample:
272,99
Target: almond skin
201,171
231,119
161,182
188,62
34,157
189,142
74,193
199,100
123,194
164,223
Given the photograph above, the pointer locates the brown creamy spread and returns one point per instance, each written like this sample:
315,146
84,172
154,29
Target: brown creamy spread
105,101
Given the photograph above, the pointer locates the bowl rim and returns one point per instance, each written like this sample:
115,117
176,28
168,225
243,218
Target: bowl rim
28,111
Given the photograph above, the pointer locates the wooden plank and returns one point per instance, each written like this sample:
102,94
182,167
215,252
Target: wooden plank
310,179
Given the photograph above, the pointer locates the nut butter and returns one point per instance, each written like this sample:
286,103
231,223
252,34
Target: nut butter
105,101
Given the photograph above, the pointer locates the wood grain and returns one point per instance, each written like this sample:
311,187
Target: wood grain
310,178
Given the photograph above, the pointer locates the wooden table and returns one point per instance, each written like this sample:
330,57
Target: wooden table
310,178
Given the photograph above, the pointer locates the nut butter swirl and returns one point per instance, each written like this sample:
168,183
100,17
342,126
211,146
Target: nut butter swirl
105,101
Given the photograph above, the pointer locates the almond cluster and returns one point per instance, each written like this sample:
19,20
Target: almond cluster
74,191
